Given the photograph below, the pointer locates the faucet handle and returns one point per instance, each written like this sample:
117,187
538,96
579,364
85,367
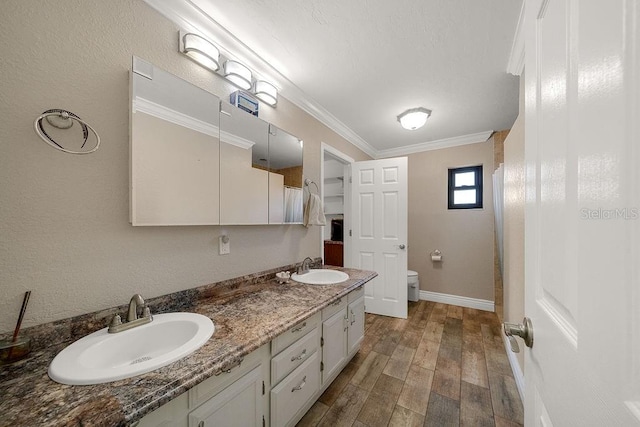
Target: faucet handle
116,321
146,312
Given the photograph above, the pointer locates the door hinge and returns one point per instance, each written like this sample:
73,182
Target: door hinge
349,232
321,341
263,421
350,181
321,366
263,388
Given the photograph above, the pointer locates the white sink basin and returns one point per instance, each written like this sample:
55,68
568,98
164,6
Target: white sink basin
321,277
102,357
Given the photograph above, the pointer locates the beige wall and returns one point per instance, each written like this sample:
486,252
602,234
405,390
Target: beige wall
514,199
464,236
64,218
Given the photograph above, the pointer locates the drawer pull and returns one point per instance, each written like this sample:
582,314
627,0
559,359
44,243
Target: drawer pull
299,328
337,302
228,370
300,356
301,385
201,424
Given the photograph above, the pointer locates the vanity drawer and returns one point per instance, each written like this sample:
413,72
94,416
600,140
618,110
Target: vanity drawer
354,295
334,307
294,355
212,386
287,338
288,397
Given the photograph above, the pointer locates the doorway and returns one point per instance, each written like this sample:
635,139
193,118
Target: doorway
336,167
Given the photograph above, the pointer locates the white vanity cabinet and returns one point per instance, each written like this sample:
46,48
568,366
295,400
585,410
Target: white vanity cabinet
278,383
237,396
342,333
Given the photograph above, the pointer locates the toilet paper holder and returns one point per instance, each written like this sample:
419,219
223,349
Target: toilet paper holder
436,256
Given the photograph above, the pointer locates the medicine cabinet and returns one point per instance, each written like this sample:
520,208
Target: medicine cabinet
197,160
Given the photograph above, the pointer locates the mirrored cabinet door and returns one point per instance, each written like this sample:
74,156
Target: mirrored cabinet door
285,177
174,150
244,167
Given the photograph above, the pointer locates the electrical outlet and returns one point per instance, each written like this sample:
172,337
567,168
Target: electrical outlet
225,246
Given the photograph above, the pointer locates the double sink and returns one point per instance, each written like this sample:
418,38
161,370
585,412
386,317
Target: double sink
103,357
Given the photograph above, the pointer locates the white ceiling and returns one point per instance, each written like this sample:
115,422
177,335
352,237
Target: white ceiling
357,64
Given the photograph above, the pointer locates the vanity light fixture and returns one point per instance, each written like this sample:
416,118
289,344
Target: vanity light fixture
266,92
414,118
200,50
237,74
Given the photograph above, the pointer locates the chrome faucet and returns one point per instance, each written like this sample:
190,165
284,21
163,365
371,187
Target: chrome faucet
133,320
304,266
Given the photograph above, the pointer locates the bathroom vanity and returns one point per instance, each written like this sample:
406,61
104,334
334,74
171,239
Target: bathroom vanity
277,383
276,348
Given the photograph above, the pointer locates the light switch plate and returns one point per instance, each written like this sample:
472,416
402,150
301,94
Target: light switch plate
224,244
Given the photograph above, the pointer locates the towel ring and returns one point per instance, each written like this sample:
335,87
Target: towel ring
308,182
63,119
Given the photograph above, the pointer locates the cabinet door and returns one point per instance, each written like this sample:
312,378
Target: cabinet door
334,349
174,150
355,333
240,404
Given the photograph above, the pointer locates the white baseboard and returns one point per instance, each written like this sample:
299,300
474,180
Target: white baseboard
479,304
515,366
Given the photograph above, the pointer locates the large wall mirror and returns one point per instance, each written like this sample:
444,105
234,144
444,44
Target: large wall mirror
174,150
196,160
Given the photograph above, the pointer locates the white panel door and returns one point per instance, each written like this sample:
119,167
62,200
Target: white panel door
582,151
379,232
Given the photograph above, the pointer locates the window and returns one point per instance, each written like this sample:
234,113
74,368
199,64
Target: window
465,187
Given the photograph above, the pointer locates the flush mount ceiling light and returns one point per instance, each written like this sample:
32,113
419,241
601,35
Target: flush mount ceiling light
266,92
237,74
200,50
414,118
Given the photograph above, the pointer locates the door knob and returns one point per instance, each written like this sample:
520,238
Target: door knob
523,330
401,246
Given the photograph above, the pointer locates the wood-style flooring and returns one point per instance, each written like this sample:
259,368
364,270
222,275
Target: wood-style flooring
443,366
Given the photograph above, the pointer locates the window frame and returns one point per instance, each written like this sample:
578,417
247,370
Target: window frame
479,178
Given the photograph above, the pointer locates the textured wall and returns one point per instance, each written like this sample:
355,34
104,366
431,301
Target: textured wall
464,236
514,204
63,218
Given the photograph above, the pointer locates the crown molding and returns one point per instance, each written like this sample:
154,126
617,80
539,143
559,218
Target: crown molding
515,65
438,144
188,16
160,111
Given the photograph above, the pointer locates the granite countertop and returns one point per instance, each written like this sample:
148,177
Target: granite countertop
247,312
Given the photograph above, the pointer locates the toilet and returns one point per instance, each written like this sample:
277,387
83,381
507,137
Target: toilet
413,290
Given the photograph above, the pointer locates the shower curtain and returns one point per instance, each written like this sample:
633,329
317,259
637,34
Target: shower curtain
292,204
498,209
